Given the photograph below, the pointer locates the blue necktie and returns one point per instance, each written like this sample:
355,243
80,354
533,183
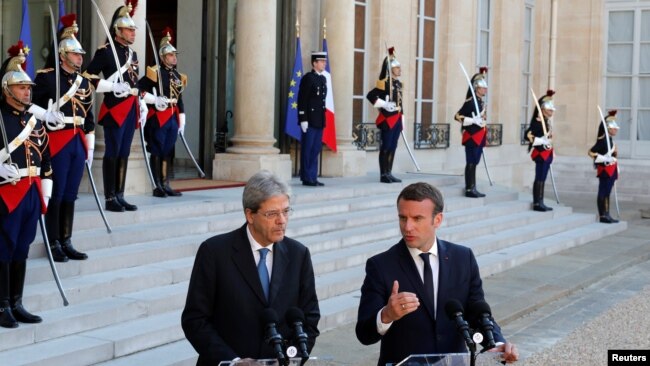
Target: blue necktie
428,278
263,271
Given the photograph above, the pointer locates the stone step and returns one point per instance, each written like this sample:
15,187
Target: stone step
179,353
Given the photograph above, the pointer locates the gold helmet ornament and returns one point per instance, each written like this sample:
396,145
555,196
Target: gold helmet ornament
14,73
546,102
122,17
610,120
68,42
166,43
479,80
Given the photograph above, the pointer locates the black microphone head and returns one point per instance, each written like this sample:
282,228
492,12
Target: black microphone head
453,307
479,308
294,315
269,316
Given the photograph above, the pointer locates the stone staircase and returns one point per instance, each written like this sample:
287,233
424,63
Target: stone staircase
576,177
126,299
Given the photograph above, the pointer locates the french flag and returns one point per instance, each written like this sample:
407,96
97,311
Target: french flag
329,133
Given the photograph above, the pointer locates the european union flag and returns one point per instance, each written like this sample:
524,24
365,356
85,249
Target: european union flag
61,13
291,126
26,37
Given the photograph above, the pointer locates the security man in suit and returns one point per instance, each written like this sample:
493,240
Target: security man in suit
541,148
25,184
311,117
604,154
474,131
122,110
71,146
387,98
166,120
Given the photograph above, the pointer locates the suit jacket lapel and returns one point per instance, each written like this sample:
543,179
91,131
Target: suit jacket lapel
444,268
280,263
411,271
243,258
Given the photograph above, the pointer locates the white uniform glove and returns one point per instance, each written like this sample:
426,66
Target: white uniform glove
161,102
468,121
46,190
181,123
120,90
53,119
541,141
477,120
9,172
90,144
143,113
605,159
385,104
304,126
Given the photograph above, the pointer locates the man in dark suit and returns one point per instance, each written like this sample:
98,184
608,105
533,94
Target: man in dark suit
311,117
230,288
397,308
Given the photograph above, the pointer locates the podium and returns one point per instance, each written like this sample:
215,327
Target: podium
313,361
452,359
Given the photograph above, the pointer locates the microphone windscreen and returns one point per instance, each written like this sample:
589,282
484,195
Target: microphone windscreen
269,316
453,307
294,314
479,308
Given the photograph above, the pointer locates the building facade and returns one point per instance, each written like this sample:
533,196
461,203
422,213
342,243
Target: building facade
238,55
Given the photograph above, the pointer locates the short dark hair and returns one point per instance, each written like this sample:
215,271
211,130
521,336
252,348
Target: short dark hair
421,191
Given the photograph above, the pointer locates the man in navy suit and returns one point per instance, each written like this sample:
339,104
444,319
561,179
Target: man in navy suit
228,294
396,307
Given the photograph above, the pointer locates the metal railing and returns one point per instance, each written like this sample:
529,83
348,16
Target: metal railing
433,136
366,136
494,134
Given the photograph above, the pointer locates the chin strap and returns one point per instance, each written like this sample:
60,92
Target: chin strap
13,96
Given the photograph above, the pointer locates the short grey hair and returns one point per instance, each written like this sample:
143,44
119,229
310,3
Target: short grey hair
262,186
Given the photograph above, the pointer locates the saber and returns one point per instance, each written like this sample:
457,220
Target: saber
99,204
155,57
408,148
478,113
547,147
57,68
41,221
110,41
187,148
146,157
610,152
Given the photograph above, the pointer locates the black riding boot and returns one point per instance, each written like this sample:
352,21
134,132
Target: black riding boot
383,167
120,181
538,197
603,211
52,227
391,158
155,162
17,282
7,319
470,182
109,169
67,219
166,165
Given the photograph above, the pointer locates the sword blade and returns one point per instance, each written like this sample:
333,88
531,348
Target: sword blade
189,152
57,71
146,158
408,148
48,251
110,40
99,204
155,56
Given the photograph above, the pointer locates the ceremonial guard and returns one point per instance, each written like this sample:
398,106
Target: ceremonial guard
71,146
162,86
539,136
604,153
122,110
25,185
311,117
474,130
387,98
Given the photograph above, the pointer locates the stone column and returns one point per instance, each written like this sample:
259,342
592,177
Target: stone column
137,181
253,141
347,161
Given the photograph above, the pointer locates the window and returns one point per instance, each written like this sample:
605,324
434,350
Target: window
359,94
425,63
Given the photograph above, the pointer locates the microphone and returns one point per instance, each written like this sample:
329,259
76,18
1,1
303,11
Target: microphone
271,335
454,310
480,311
295,317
